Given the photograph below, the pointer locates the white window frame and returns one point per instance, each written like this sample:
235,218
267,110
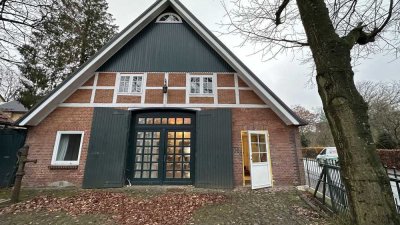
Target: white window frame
202,85
54,161
130,75
171,14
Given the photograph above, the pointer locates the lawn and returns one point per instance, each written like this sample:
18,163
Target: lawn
160,205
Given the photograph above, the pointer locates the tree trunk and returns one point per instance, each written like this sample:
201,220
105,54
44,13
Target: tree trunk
368,188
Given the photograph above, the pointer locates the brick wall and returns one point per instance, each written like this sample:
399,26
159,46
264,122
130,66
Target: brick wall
80,96
106,79
390,157
41,141
284,145
225,92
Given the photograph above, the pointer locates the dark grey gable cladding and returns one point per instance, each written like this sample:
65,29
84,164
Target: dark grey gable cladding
166,47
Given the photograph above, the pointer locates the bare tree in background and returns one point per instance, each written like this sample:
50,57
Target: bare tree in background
18,19
8,83
333,30
383,99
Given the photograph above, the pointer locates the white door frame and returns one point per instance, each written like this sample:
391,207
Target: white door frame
266,181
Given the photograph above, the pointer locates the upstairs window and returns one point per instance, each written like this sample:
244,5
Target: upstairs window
202,85
169,18
130,83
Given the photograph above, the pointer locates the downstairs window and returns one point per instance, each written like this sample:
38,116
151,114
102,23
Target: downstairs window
67,148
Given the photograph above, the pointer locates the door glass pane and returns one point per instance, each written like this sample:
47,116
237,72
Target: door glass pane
157,120
171,121
263,157
148,135
178,150
186,158
156,134
186,174
263,147
262,138
164,120
147,150
156,150
146,174
186,166
154,166
179,134
178,174
154,158
169,174
186,135
254,147
137,174
186,150
147,143
149,121
141,121
139,150
179,121
170,166
186,142
140,135
154,174
170,158
255,157
187,120
146,166
254,138
178,158
146,158
178,166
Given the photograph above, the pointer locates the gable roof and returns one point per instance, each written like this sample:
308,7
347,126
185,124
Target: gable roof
66,88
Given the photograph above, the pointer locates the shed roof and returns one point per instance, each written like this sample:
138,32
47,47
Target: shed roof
66,88
13,106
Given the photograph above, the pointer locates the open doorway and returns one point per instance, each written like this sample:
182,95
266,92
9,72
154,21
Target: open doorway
256,159
246,159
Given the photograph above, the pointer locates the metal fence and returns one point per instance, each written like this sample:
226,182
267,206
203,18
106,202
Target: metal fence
324,178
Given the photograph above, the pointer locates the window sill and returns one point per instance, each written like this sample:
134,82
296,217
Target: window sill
59,167
130,94
202,95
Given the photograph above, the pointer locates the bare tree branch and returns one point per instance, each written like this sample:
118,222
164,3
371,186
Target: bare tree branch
279,12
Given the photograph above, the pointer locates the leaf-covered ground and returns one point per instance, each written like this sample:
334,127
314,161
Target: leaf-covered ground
160,205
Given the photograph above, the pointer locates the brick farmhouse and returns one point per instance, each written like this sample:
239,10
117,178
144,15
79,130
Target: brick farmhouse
164,102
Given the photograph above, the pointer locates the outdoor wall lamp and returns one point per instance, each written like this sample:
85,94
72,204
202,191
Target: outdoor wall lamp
165,87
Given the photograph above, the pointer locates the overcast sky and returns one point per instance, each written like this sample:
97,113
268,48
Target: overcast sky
286,76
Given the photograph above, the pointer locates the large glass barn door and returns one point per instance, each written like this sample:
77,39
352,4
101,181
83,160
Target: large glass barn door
162,151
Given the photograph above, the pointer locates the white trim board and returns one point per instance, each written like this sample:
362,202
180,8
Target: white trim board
69,86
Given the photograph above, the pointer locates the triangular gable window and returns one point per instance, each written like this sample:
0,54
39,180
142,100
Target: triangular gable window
169,18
